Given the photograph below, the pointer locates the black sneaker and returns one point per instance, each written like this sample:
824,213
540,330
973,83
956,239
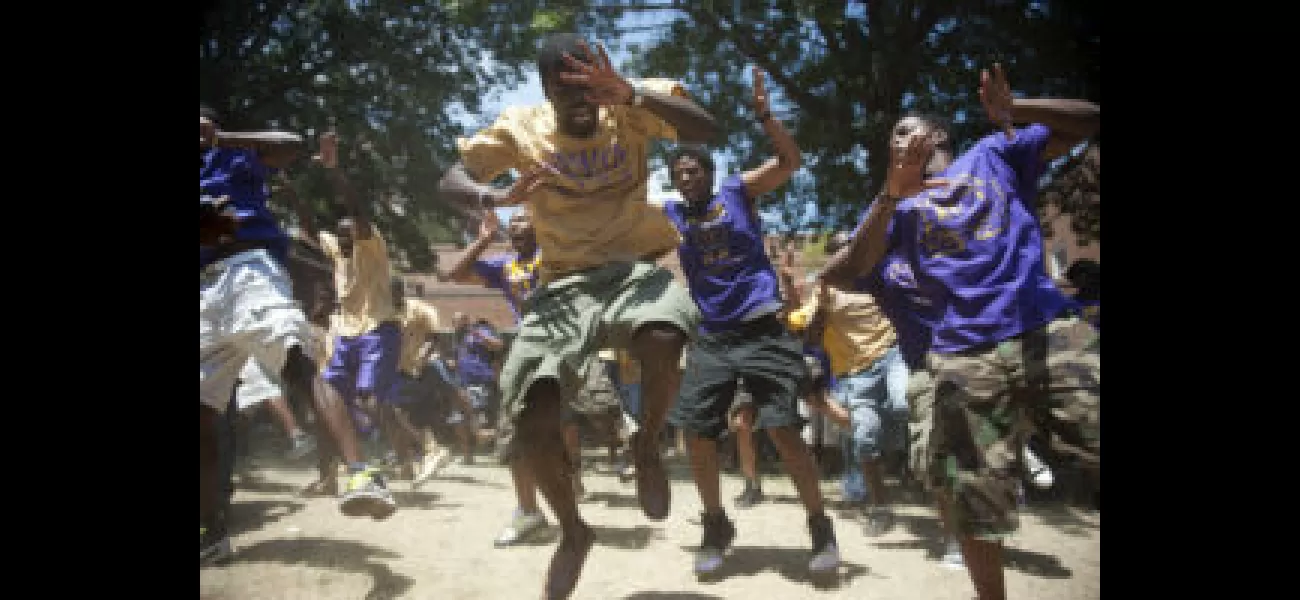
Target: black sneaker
825,552
214,545
718,534
751,496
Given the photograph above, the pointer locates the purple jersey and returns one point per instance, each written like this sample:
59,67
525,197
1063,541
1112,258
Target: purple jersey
723,257
238,174
515,276
973,250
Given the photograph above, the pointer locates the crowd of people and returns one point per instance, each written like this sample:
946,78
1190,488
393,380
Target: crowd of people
933,338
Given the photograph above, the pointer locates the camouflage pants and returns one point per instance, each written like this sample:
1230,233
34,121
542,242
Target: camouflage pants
982,405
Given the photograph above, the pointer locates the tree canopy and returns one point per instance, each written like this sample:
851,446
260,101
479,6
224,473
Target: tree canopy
396,78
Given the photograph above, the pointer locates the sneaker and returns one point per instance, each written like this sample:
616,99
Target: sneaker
214,546
1039,473
751,496
431,465
366,495
952,558
521,526
718,535
825,552
301,445
879,520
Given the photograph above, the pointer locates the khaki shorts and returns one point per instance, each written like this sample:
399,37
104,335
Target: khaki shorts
978,404
568,321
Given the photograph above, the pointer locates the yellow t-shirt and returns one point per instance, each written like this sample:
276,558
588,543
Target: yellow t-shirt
595,211
363,283
418,321
856,332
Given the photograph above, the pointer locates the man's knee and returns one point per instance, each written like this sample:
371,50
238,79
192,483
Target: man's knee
658,346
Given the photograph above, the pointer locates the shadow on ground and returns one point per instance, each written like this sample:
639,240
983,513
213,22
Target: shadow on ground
671,596
338,555
251,515
627,538
790,563
1035,563
421,500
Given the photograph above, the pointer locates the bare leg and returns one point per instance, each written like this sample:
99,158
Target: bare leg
799,464
984,563
209,466
525,487
659,348
703,453
279,408
543,453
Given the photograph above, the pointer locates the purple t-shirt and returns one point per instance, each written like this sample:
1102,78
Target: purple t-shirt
237,173
723,257
515,276
974,249
473,357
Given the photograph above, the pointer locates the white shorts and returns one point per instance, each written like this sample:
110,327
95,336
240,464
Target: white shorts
246,311
257,385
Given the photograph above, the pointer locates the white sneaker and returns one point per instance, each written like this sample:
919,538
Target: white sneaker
952,558
431,466
1039,473
520,527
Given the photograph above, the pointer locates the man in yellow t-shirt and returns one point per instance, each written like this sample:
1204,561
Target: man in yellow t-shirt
582,160
871,382
362,370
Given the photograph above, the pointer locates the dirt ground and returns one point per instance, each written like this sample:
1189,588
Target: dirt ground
439,545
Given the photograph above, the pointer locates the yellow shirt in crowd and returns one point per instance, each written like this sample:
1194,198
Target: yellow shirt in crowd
594,211
856,332
363,282
419,320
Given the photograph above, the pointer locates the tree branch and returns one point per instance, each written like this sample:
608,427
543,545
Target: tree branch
745,43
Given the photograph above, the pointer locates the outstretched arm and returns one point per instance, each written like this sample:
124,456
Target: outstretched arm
276,149
329,158
607,87
306,220
1071,121
869,242
776,170
463,270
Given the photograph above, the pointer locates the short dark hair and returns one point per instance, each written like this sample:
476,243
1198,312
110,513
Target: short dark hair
934,121
698,152
550,58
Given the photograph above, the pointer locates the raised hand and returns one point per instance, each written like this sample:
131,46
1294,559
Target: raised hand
604,85
906,176
329,150
760,92
995,95
489,225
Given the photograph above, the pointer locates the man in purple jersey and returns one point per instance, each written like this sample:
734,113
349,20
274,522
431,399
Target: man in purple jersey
736,290
515,274
247,310
964,230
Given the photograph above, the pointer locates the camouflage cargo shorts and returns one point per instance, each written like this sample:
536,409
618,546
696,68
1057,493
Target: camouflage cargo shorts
972,413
